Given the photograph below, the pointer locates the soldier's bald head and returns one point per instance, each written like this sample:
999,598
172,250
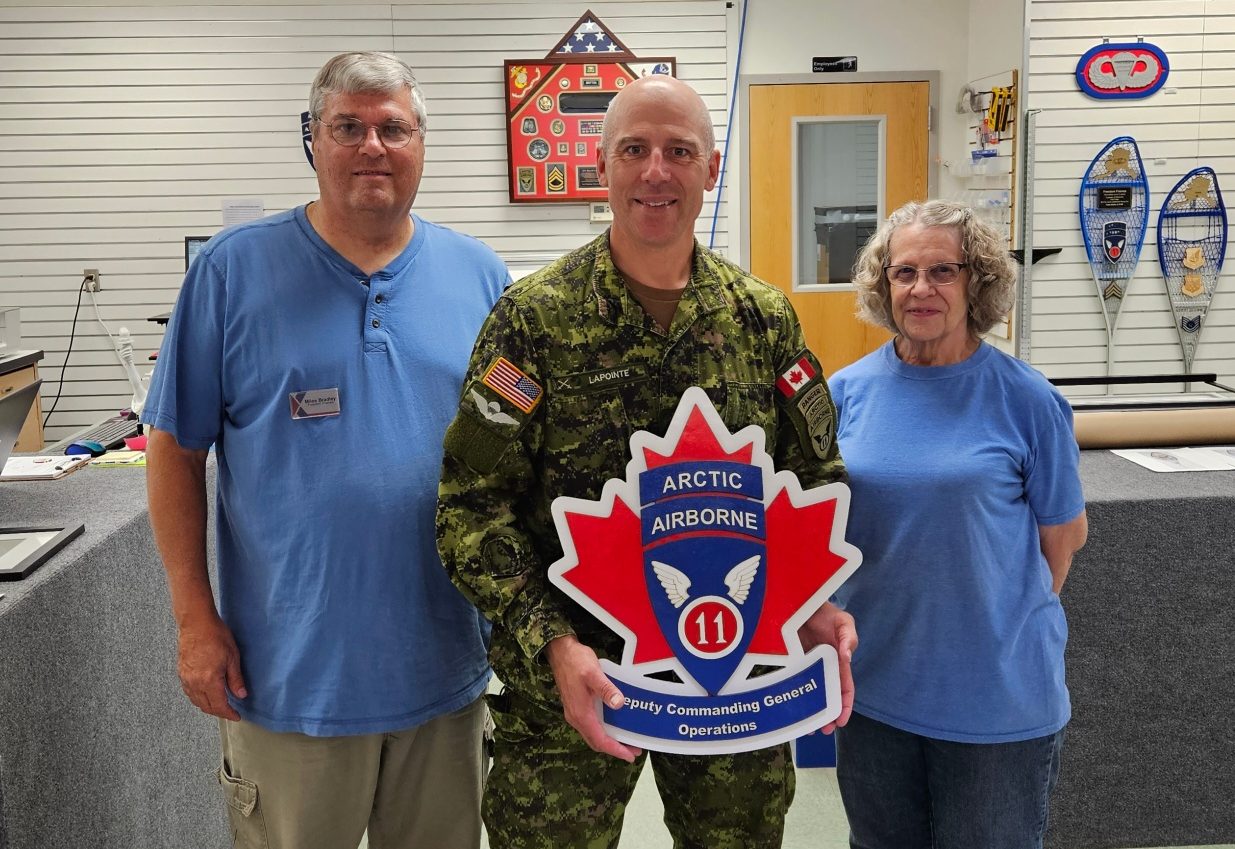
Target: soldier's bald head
658,88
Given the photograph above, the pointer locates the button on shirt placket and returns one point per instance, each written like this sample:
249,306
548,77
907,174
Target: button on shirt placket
375,325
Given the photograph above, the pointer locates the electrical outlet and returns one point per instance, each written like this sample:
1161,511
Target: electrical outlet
91,276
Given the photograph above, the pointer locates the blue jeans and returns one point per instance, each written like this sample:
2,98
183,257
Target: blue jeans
905,791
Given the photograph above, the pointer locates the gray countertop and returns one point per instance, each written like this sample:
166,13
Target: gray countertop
98,745
1108,478
104,500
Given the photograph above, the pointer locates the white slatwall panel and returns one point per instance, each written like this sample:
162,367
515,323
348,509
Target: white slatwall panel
1190,122
123,128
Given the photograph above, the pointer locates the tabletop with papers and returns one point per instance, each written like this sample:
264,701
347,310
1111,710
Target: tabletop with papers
43,467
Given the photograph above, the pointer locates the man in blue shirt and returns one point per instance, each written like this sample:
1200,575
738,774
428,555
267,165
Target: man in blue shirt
321,351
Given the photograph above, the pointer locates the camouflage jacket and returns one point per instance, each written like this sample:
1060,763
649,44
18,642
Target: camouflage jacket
566,368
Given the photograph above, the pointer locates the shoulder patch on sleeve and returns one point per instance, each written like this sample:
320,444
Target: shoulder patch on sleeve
803,370
509,382
808,403
493,412
817,421
473,442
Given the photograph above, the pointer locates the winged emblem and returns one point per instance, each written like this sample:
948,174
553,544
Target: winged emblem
1124,72
674,581
740,578
677,585
491,410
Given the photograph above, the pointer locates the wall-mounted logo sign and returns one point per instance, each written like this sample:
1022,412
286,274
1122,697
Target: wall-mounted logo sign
706,560
571,88
1122,71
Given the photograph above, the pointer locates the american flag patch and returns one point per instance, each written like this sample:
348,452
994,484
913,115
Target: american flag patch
513,385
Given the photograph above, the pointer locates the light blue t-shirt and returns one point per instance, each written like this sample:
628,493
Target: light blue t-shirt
328,569
952,469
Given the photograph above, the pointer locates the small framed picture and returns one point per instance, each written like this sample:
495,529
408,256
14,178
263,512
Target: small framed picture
22,550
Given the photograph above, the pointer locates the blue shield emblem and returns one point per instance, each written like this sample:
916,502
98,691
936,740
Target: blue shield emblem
1114,240
705,561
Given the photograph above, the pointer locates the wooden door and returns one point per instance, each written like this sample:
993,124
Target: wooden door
776,112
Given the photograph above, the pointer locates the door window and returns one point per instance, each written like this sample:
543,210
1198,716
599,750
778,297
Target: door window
838,190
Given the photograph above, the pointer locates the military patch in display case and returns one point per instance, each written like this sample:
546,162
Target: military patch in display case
557,105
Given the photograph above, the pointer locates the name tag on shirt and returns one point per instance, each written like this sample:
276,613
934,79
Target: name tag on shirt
315,403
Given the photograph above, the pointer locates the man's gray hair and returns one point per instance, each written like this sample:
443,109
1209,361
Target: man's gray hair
366,72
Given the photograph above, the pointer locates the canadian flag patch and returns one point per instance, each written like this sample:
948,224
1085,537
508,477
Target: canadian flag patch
795,377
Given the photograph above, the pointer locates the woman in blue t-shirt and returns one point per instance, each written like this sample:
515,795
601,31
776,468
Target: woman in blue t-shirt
967,507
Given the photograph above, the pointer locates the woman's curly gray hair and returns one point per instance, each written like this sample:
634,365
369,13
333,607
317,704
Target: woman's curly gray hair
992,275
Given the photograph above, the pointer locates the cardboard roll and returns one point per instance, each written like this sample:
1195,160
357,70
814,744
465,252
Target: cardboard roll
1132,428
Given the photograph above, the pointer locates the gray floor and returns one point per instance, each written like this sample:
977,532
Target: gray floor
816,820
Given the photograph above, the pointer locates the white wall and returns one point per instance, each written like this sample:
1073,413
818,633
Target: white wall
123,127
886,35
1188,123
996,36
963,40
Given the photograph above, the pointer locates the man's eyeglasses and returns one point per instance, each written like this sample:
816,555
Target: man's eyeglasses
392,134
939,274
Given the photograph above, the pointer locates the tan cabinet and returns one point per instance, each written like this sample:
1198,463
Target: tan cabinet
31,437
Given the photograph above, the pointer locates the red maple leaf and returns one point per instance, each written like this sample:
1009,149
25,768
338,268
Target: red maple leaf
698,443
609,569
796,376
800,561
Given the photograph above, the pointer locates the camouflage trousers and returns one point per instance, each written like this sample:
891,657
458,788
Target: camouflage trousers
548,790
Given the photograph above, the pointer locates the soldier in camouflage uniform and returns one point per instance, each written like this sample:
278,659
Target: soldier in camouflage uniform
571,362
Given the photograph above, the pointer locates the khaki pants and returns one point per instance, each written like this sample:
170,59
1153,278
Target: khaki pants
413,789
